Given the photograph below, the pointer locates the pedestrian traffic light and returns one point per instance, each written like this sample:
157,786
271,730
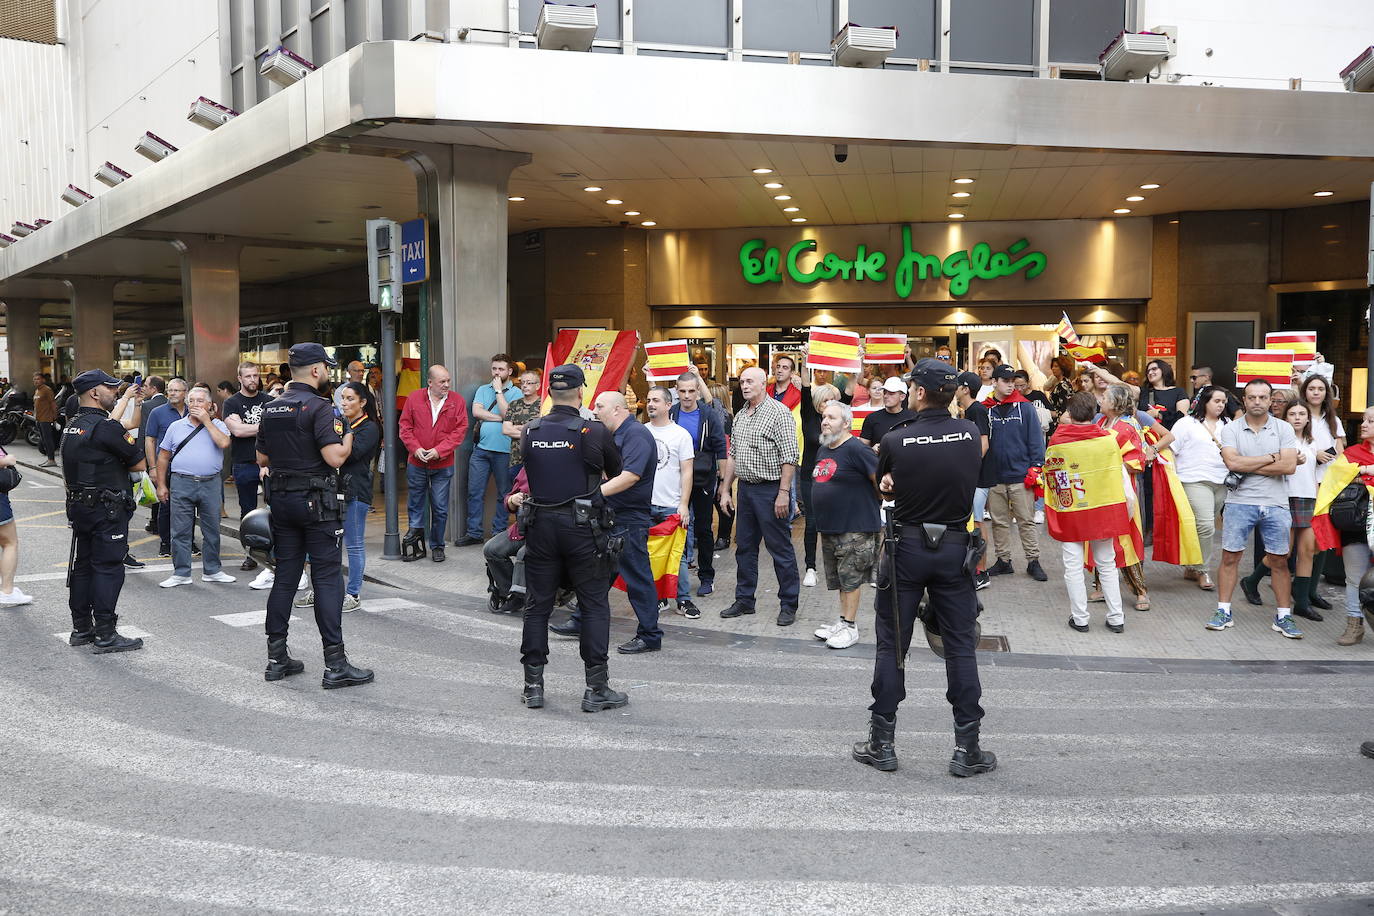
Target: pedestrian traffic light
384,265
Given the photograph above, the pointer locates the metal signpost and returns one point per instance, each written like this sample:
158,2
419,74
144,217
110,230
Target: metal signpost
384,291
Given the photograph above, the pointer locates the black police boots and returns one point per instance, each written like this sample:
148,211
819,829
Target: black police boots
107,639
599,695
969,759
279,662
413,545
878,751
83,632
339,673
533,694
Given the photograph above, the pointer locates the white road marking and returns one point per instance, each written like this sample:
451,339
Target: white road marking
131,632
374,605
48,577
247,618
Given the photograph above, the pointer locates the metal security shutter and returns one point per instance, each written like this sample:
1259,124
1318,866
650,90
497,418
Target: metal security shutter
29,20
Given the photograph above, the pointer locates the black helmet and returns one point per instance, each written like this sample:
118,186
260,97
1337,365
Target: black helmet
255,530
930,626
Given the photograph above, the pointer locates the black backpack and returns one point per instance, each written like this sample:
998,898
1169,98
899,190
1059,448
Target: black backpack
1350,509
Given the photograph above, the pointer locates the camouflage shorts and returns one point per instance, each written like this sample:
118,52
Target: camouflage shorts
849,559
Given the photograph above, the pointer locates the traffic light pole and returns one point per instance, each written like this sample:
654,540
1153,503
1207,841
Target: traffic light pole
391,542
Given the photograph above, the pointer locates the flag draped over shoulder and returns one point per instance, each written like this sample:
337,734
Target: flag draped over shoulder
666,542
1176,539
791,399
1085,499
603,356
1339,475
1130,548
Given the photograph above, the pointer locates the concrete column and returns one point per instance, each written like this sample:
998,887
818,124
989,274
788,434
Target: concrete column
93,340
210,305
21,340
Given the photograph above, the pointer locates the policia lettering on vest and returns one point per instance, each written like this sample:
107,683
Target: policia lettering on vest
930,468
566,525
97,456
302,442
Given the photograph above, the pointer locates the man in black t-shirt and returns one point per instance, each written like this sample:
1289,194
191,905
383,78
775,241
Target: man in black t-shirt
881,422
242,412
966,397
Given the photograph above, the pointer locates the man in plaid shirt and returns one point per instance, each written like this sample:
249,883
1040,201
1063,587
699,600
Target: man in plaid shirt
763,455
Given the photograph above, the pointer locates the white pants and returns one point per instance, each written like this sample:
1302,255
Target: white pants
1104,555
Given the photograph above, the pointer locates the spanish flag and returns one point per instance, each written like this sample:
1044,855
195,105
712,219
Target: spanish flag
407,380
861,412
1073,346
1339,475
1302,343
885,348
1272,366
1130,547
1085,499
833,349
1176,539
603,356
791,399
666,360
666,542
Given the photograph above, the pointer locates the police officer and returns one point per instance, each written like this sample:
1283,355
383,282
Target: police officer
97,455
930,467
567,530
302,442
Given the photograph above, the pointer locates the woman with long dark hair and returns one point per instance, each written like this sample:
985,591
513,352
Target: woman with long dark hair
1160,396
360,414
1197,460
1328,441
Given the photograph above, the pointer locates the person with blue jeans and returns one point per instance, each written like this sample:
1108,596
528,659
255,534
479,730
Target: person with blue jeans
432,426
360,415
189,466
490,457
1261,450
242,411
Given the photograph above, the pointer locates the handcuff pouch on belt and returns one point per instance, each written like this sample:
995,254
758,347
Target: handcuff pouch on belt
324,496
112,501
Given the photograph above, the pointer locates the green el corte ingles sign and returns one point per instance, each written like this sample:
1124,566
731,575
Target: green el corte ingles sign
760,263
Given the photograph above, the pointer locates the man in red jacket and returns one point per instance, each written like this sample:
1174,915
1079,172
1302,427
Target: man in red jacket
433,424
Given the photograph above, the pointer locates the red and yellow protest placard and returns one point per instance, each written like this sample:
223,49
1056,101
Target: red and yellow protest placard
1273,366
833,349
667,359
1302,343
885,348
861,413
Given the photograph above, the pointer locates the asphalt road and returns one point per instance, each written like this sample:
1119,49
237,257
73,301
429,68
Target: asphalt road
174,780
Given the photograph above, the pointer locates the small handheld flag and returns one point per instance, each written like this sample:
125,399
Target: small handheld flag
885,348
667,359
1302,343
1272,366
1074,347
834,350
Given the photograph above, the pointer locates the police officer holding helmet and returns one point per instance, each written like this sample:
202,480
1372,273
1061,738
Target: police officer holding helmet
930,468
567,526
302,442
97,455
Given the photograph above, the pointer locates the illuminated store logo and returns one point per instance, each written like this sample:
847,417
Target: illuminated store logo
760,264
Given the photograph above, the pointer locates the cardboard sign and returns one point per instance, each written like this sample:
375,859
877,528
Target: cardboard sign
885,348
667,359
835,350
1273,366
1302,343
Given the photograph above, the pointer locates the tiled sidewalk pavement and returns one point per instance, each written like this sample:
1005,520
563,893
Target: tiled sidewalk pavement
1032,616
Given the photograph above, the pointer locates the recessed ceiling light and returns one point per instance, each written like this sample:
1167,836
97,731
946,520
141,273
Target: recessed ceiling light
615,201
963,181
1332,226
1322,193
1173,222
1120,210
798,219
772,185
1149,187
648,222
782,196
631,212
516,199
962,194
791,209
591,187
1135,197
763,171
956,215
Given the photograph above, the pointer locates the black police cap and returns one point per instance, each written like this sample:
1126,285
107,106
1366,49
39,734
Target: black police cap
566,378
93,378
933,374
308,354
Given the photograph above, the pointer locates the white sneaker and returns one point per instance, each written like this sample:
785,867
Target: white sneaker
1040,517
174,581
844,637
305,580
15,598
220,576
829,629
306,600
809,580
264,580
351,603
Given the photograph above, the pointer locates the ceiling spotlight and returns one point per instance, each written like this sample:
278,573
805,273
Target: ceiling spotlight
963,181
284,67
857,46
772,185
111,174
763,171
151,146
1148,187
7,240
956,215
798,219
782,196
515,199
40,223
591,187
1121,210
615,201
962,194
1322,193
631,212
1134,198
648,222
75,196
791,209
209,114
21,228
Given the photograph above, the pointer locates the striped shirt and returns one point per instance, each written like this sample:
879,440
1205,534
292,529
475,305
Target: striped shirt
763,440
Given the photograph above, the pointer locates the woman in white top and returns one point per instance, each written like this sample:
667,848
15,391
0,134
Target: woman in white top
1328,441
1197,461
1302,500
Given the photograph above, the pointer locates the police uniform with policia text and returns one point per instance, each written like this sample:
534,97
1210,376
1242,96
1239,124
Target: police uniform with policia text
567,526
97,455
307,505
929,552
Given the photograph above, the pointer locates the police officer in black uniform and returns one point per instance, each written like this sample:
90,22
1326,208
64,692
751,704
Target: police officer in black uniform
302,442
567,534
932,465
97,455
